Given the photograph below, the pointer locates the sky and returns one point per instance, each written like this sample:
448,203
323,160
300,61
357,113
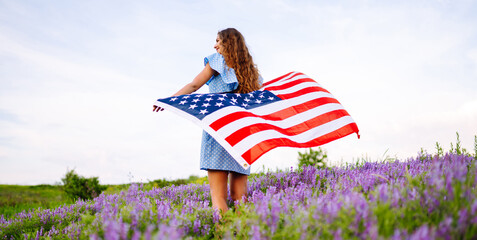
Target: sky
78,79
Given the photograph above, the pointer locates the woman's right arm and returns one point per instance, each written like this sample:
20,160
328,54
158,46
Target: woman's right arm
193,86
198,81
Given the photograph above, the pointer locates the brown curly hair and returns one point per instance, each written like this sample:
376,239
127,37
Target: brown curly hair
236,56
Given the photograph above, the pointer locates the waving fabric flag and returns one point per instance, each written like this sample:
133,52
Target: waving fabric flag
290,111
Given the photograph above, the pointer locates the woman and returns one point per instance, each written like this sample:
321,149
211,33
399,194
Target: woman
231,69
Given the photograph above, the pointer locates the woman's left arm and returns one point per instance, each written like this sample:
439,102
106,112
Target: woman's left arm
193,86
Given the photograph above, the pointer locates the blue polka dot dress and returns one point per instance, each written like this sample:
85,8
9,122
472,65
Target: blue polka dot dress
212,155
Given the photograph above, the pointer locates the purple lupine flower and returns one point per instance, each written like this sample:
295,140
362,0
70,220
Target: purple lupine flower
205,229
372,231
147,234
255,233
412,194
112,230
396,197
171,232
163,210
397,235
473,207
136,235
337,234
274,213
197,225
383,192
449,188
216,216
444,229
463,218
423,233
39,233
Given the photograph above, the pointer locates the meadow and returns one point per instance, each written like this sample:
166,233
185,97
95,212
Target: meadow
431,196
16,198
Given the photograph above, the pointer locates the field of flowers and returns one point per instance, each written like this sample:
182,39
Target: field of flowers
427,197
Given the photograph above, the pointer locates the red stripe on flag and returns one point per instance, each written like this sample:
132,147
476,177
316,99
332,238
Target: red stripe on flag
280,78
246,131
279,115
302,92
289,84
258,150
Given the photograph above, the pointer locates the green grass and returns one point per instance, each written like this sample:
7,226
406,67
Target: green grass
16,198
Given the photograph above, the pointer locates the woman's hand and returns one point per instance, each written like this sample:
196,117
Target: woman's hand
157,108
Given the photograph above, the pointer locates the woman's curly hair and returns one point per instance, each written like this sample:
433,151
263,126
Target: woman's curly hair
236,56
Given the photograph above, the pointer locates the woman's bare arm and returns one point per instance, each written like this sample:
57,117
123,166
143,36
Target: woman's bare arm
198,81
193,86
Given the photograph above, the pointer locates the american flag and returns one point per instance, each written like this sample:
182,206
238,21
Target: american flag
290,111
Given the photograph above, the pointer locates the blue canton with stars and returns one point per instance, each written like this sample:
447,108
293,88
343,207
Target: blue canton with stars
201,105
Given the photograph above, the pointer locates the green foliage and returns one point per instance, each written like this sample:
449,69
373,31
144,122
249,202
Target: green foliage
458,149
440,151
315,158
423,154
113,189
78,187
458,145
160,183
475,146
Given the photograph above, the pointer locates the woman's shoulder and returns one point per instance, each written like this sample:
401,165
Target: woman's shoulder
214,57
225,76
217,62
